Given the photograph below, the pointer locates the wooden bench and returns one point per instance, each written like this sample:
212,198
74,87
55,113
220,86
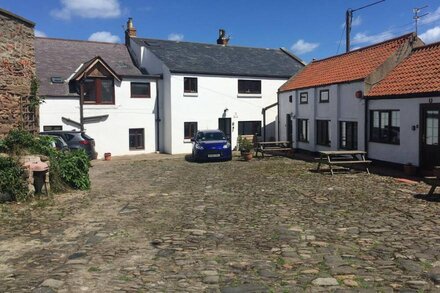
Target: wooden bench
433,181
272,146
342,158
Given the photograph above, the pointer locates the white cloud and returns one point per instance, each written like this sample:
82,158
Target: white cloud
364,38
175,37
431,17
87,9
432,35
357,21
302,47
40,34
104,37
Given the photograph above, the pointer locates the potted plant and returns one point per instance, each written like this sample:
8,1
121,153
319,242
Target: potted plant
409,169
246,147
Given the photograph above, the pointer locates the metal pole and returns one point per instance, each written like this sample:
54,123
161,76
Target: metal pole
81,103
348,18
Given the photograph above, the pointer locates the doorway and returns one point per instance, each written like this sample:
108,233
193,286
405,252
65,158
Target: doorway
429,136
289,128
224,124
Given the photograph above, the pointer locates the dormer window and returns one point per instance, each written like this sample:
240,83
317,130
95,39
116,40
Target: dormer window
99,91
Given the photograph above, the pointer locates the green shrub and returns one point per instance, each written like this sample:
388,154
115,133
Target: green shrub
12,182
74,168
19,142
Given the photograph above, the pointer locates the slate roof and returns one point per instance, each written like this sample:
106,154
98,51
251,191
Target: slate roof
213,59
61,58
351,66
419,73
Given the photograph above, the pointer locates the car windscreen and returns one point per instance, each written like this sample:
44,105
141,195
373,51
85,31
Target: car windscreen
207,136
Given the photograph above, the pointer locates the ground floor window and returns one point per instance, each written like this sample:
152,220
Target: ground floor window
249,128
52,127
136,139
322,132
348,135
303,130
385,126
190,129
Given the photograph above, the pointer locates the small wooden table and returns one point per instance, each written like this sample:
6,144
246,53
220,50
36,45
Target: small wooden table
272,146
342,158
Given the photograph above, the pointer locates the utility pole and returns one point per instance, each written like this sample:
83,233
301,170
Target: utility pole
417,16
348,20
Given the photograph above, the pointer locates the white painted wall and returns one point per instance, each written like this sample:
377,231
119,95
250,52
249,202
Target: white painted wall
111,135
342,106
408,149
216,93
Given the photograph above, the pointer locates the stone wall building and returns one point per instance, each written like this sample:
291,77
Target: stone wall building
17,69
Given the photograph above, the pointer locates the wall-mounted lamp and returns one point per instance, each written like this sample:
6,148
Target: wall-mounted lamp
359,94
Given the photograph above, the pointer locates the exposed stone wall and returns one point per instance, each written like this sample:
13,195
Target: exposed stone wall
17,67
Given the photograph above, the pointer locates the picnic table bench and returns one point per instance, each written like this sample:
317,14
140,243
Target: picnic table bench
343,159
272,146
434,181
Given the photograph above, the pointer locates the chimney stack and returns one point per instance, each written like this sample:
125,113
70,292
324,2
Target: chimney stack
222,39
130,32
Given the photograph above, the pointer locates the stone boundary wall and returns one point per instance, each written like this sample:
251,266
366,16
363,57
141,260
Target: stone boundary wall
17,67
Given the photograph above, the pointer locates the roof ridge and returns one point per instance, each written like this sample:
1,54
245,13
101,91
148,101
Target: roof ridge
427,46
365,48
209,44
84,41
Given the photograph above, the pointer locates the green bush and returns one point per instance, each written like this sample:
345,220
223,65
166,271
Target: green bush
12,182
74,168
66,168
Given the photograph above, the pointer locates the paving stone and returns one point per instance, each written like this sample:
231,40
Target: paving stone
325,282
52,283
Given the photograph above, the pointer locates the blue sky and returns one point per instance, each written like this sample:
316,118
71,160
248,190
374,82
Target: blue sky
309,28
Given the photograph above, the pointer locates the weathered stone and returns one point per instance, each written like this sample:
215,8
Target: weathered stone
325,282
52,283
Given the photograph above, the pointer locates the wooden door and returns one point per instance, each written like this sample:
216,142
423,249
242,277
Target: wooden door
429,136
289,127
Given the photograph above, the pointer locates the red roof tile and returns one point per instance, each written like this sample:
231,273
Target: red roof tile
419,73
354,65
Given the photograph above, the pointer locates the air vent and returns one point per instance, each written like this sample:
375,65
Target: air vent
56,79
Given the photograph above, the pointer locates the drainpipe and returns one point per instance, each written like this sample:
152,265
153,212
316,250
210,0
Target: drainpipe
157,117
81,104
278,116
366,126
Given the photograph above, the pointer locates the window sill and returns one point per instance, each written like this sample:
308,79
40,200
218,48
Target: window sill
385,142
187,140
140,97
303,103
190,94
250,96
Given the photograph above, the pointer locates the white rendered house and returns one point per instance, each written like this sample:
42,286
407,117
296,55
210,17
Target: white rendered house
327,105
213,86
119,108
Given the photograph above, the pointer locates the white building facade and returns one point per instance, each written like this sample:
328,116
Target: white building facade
208,86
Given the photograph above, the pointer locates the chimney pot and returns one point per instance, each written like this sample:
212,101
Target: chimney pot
130,32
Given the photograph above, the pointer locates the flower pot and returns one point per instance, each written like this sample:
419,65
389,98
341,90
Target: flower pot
409,169
247,156
107,156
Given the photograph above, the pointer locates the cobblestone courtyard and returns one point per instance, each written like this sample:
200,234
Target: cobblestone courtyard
163,224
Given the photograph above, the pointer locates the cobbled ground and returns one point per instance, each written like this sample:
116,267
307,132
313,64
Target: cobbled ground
161,223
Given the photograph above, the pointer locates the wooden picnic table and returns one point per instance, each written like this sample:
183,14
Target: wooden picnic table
342,158
272,146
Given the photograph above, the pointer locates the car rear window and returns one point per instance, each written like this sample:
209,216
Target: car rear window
68,136
85,136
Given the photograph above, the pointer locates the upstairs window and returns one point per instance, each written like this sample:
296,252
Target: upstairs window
249,86
303,98
99,91
290,99
140,89
190,85
324,96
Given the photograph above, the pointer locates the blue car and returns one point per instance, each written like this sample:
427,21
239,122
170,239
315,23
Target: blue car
211,145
